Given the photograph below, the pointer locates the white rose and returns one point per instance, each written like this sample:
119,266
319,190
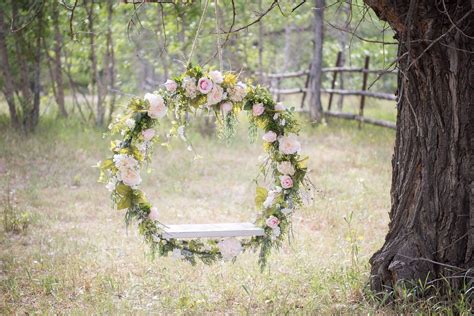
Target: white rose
170,85
238,92
289,145
229,248
285,167
130,177
216,76
153,215
269,137
215,96
157,108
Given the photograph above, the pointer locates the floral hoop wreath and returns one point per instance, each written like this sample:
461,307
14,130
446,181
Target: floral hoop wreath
223,94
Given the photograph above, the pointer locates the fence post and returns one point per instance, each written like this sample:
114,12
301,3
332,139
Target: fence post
334,78
364,87
306,85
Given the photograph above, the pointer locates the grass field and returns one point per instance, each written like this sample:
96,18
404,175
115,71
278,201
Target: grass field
76,255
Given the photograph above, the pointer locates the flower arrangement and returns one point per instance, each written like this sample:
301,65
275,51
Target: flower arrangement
197,89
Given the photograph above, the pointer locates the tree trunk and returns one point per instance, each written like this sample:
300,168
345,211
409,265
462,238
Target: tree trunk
316,108
58,75
37,74
344,12
110,57
8,88
431,231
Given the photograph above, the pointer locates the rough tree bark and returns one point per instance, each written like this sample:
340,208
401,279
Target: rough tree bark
58,75
316,108
8,88
431,227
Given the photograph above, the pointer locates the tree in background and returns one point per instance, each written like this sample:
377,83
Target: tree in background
316,108
431,233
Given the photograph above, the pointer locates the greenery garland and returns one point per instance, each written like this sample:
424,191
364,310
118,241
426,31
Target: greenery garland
223,94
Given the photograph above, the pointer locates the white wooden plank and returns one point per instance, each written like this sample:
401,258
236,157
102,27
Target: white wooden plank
212,230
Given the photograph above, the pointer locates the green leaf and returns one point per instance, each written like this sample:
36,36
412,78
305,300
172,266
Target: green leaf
123,189
260,196
303,163
124,202
107,164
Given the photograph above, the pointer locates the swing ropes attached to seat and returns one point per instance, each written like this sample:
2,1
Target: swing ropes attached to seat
221,93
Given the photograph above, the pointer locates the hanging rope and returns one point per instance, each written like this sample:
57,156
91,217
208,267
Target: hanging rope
219,48
197,33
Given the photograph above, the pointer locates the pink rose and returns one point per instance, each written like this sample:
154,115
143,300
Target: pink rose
216,76
269,136
258,109
170,85
286,182
289,145
215,96
204,85
148,134
226,107
272,222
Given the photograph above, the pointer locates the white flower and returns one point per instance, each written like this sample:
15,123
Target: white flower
153,215
276,116
130,177
229,248
282,122
123,162
226,107
130,123
276,232
216,76
286,211
177,254
157,107
215,96
289,145
238,92
205,85
272,222
258,109
280,107
111,184
189,86
148,134
170,85
270,137
269,201
285,167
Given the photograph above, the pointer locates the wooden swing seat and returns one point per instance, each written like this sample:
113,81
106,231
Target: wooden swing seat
212,230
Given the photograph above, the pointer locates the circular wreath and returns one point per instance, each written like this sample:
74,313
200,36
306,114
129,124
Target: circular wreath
223,94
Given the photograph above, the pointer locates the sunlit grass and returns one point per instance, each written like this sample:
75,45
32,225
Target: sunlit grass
78,257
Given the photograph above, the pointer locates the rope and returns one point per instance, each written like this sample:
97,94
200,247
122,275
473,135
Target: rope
219,48
197,33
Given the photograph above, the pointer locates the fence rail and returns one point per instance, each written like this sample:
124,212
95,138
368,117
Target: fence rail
338,69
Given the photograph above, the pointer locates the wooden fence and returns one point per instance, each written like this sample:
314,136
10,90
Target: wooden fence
363,93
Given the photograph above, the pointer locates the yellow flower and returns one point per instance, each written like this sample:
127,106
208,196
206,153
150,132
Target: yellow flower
230,79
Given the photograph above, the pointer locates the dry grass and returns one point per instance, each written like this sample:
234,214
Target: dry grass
77,257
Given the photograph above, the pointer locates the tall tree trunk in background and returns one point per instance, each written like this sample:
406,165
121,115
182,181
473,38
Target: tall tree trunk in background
110,60
24,85
260,44
58,75
162,38
288,52
96,80
316,108
432,216
37,74
343,14
8,88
